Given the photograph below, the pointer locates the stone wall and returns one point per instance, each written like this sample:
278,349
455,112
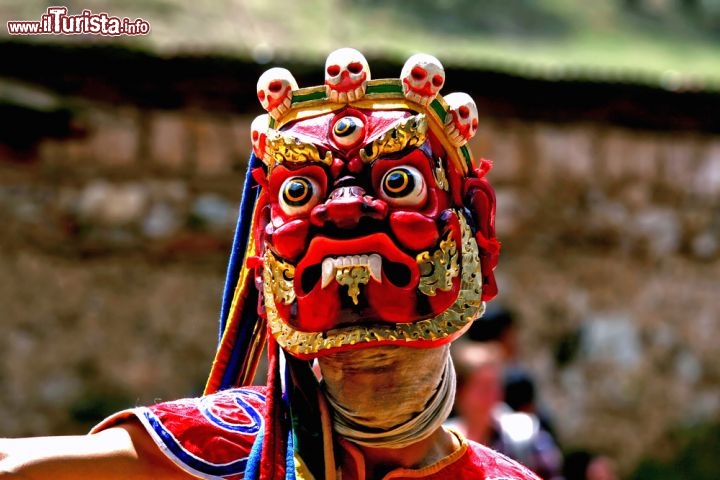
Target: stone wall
611,246
114,245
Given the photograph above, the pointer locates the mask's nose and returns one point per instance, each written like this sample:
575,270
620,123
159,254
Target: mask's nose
346,206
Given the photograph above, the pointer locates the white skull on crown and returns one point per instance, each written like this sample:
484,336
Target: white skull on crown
346,75
258,135
461,122
274,90
422,78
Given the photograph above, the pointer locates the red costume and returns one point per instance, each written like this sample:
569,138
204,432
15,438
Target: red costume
366,243
212,437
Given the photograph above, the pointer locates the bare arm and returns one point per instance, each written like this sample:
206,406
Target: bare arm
124,452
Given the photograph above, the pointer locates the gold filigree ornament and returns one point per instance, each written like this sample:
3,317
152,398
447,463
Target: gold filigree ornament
467,307
439,268
352,277
407,132
278,276
282,147
440,176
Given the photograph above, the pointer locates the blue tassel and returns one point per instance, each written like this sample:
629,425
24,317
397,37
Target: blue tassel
252,470
242,235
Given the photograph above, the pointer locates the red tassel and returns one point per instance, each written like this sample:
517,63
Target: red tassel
483,168
272,461
260,177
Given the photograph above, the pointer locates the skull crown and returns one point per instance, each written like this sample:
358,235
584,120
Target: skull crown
348,81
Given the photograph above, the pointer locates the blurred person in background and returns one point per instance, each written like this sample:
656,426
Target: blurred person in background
499,325
479,391
585,465
494,405
519,394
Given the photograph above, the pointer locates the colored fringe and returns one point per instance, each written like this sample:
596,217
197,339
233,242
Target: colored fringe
239,322
243,230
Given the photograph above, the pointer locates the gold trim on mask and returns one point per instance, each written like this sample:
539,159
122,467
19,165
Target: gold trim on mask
279,276
467,307
406,132
282,147
440,176
439,268
353,277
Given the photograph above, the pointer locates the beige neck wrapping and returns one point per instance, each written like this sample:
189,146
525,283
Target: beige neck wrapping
389,396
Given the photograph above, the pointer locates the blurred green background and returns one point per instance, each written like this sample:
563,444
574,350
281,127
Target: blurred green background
640,39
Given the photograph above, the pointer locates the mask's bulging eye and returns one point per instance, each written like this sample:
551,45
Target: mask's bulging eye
403,186
348,131
298,195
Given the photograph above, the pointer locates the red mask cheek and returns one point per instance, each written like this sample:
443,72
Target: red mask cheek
419,231
289,240
414,230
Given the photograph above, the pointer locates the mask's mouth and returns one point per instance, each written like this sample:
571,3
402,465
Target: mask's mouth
344,261
372,311
373,265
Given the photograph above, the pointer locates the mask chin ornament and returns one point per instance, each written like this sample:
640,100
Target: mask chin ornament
373,225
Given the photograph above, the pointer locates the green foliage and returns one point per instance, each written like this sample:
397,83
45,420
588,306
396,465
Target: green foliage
659,42
697,457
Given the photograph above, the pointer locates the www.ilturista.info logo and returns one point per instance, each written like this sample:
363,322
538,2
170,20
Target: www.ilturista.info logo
57,22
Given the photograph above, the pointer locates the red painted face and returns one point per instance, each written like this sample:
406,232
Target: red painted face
366,237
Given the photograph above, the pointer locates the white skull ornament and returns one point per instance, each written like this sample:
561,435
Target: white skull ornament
258,135
274,90
346,75
422,78
461,122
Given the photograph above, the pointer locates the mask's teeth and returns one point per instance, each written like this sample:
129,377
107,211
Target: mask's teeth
328,271
374,263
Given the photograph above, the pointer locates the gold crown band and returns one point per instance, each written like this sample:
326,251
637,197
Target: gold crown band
283,148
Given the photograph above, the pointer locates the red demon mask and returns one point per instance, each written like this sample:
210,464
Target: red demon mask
373,225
